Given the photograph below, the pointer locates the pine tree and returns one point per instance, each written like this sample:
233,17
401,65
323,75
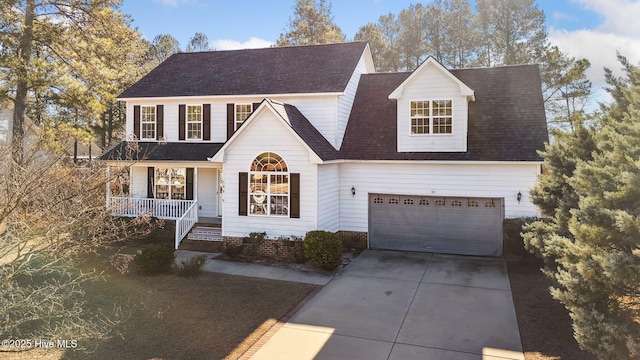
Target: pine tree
312,24
372,34
592,244
163,46
199,42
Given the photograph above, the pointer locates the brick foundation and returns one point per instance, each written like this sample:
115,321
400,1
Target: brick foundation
353,239
288,249
270,248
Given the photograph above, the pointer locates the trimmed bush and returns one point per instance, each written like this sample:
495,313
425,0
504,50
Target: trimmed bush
323,249
232,250
192,266
154,259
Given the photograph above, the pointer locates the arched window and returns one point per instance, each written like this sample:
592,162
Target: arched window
269,185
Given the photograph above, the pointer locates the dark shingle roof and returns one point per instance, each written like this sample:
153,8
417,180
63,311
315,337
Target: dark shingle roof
506,122
280,70
309,134
126,151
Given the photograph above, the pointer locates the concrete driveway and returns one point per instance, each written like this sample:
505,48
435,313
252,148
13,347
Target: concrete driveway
401,305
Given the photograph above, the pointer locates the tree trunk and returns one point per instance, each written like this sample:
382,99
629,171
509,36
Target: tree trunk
22,88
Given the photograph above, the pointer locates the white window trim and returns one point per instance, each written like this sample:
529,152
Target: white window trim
430,117
170,184
268,194
143,121
187,122
235,113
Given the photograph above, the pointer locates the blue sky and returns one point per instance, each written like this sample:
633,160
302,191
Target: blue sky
594,29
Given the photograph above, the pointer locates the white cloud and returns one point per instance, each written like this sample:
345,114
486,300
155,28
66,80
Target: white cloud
173,2
620,16
598,47
616,33
252,43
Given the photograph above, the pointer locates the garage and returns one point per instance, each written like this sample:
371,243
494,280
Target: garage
454,225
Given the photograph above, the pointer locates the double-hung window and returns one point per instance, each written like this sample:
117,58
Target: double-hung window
194,122
147,122
431,117
170,183
242,113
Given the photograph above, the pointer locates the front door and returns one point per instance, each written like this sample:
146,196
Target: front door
219,191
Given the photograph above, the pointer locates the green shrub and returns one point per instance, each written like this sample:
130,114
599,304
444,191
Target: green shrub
192,266
154,259
323,249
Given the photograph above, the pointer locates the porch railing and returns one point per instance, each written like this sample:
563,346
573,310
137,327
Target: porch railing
186,222
171,209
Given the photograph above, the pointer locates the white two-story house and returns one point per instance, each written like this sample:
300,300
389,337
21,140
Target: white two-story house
292,139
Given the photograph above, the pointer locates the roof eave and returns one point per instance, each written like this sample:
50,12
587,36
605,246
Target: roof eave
242,96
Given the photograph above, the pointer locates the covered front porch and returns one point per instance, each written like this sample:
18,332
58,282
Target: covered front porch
183,193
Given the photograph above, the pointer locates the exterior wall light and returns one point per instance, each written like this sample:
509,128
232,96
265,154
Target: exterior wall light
519,197
353,191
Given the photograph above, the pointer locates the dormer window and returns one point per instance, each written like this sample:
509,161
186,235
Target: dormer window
431,117
148,122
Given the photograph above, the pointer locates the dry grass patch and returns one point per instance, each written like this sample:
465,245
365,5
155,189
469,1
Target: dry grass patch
212,316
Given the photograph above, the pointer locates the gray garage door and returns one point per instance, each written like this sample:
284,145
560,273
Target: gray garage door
455,225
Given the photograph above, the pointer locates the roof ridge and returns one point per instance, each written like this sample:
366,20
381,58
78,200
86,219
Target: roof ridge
270,47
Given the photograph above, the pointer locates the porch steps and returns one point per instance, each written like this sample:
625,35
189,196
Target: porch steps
203,237
205,233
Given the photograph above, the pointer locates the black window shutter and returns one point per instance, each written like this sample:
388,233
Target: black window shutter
294,193
189,194
255,106
243,193
151,173
182,115
136,121
159,122
231,119
206,122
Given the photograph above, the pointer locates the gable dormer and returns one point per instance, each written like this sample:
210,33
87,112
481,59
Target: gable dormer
432,110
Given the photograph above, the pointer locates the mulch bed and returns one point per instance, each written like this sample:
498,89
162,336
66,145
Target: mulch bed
545,325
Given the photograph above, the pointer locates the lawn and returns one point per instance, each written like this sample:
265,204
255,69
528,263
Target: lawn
212,316
545,325
217,316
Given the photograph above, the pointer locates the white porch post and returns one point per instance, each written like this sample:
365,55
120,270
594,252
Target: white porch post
108,192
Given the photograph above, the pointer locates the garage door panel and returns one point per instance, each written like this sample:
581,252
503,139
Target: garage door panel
471,226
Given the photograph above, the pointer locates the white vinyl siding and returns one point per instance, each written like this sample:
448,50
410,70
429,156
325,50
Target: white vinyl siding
268,133
138,182
456,180
319,110
329,197
432,84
